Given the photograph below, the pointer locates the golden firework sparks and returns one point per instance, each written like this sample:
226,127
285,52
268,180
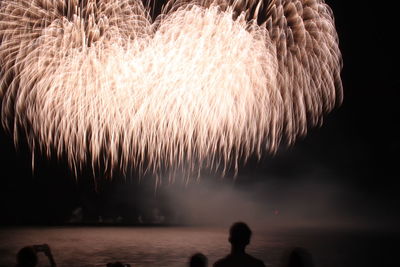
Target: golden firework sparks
205,84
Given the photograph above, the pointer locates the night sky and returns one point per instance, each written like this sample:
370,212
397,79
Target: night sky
345,171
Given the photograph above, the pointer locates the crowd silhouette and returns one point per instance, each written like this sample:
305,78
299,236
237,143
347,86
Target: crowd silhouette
239,237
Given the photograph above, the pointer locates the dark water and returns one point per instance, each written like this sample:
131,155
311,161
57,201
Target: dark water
172,246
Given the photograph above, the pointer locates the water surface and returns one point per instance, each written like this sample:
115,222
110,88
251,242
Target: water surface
172,246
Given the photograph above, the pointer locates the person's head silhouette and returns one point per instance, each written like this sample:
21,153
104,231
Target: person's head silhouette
198,260
27,257
239,235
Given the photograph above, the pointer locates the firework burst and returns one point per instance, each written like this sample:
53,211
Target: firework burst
203,85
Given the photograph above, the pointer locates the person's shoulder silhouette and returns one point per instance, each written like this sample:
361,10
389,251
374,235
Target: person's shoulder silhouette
239,237
239,261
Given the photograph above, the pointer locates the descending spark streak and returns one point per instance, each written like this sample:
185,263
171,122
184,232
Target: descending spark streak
204,85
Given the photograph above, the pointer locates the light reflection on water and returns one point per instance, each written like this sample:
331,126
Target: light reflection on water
171,246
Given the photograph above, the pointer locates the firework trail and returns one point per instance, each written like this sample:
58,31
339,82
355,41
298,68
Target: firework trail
203,85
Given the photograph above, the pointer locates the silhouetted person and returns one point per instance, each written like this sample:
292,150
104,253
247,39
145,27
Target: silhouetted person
27,256
297,257
239,237
198,260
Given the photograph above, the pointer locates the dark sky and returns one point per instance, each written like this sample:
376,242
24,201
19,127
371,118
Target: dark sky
345,171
